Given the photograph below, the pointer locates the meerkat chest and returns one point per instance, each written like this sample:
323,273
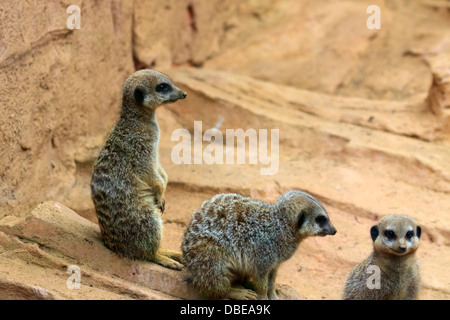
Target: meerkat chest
145,147
398,280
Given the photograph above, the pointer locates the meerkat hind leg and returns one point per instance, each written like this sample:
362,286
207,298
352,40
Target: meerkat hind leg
166,261
175,255
241,294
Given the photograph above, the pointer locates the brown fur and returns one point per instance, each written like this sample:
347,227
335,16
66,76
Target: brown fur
234,245
395,257
128,182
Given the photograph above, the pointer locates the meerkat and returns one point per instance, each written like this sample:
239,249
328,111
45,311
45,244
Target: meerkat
395,241
128,182
234,245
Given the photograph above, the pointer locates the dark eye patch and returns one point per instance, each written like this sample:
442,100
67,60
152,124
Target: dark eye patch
390,234
409,235
163,87
321,220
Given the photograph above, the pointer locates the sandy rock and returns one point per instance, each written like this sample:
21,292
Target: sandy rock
44,244
59,237
15,290
326,46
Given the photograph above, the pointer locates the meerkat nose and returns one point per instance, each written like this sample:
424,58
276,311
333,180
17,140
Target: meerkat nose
183,95
402,249
331,231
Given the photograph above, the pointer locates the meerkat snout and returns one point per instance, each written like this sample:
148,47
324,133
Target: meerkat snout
324,225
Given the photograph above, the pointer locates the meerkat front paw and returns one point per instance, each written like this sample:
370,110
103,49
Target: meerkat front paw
160,203
163,206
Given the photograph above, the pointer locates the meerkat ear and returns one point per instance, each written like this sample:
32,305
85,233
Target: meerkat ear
419,231
301,219
374,232
139,95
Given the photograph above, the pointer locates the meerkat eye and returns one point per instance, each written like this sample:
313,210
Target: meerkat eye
409,234
389,234
321,220
163,87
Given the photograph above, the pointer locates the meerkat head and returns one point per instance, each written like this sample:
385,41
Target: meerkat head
308,216
396,234
150,88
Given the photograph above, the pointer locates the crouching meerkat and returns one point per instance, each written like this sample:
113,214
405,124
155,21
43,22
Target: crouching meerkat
128,182
234,245
395,241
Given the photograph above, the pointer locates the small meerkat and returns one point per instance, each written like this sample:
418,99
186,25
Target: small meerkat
234,245
395,241
128,182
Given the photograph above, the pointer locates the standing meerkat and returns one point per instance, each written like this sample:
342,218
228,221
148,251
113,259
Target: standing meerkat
128,182
395,241
233,241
